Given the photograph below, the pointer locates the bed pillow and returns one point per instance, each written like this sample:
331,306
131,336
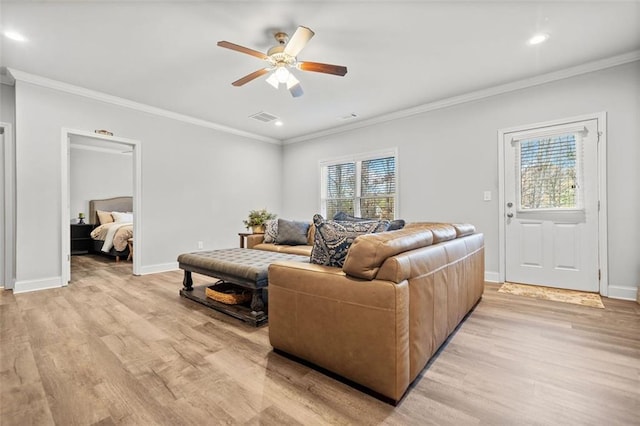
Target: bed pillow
122,217
292,233
104,217
270,231
333,238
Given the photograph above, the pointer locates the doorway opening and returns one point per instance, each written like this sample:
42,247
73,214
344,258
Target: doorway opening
552,178
89,141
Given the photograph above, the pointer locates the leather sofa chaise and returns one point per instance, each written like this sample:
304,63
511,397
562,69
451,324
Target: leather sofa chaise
379,319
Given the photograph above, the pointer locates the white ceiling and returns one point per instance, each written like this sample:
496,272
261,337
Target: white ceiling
399,54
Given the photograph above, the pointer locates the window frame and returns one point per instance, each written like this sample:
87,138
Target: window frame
357,159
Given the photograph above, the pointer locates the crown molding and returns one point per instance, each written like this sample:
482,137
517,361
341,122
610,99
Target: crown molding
17,75
92,94
477,95
6,78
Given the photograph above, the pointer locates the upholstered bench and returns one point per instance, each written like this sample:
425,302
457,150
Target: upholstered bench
244,267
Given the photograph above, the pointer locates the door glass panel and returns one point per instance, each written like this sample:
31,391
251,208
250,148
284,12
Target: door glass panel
548,172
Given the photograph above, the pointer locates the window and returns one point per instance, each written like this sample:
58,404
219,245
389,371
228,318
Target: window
548,170
363,186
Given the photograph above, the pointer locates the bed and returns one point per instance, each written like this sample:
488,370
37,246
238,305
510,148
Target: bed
113,220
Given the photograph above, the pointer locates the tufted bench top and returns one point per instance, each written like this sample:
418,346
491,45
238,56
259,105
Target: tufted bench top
236,265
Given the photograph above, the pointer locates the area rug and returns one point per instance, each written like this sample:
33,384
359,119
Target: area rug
592,300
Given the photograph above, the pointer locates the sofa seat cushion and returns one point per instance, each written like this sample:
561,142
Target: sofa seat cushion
301,250
368,252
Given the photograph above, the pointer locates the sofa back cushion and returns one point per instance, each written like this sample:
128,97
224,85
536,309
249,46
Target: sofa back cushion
441,231
333,239
368,252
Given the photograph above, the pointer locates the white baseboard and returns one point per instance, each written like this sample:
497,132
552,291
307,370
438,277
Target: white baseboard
619,292
492,277
155,269
35,285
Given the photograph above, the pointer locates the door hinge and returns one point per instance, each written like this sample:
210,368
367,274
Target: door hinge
599,274
599,134
598,205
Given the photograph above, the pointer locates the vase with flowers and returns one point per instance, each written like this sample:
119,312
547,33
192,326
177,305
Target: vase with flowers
256,220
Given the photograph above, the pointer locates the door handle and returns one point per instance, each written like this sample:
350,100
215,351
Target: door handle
509,215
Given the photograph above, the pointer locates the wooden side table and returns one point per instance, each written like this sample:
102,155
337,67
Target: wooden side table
243,236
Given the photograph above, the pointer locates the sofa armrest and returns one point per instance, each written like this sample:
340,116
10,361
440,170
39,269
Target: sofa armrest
356,328
254,239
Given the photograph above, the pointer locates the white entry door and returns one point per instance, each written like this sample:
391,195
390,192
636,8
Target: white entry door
551,195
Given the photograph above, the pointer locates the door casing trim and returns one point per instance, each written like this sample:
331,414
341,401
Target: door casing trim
136,146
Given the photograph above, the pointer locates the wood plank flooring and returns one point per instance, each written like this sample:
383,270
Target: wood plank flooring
112,349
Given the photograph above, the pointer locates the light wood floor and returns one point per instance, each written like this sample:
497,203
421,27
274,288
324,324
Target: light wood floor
112,348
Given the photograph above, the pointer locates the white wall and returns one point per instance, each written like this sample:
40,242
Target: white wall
448,157
197,183
97,175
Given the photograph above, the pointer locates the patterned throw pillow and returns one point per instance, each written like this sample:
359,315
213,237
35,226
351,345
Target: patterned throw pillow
270,231
333,238
292,233
344,217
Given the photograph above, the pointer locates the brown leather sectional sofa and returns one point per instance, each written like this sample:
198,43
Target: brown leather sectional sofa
379,319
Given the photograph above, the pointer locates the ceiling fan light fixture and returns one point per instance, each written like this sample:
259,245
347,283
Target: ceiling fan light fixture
291,81
273,80
282,74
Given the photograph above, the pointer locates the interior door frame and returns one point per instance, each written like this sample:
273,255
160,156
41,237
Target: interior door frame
9,208
136,147
601,118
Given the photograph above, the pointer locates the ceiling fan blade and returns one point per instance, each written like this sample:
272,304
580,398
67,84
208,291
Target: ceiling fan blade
242,49
247,78
324,68
298,41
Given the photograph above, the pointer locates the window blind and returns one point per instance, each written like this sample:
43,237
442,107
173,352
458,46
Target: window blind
548,170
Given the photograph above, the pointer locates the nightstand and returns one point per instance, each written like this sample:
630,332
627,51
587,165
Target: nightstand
81,238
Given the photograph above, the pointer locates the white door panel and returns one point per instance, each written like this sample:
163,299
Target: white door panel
551,187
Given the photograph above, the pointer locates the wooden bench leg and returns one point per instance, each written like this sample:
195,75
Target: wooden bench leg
257,304
187,282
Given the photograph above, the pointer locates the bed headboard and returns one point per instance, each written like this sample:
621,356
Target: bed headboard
117,204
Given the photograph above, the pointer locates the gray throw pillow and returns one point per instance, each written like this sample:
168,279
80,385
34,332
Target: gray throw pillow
292,233
333,238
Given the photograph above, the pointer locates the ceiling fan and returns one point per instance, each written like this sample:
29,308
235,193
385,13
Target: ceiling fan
283,57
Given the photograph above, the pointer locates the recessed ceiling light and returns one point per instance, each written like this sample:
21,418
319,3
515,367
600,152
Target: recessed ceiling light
538,38
14,36
278,123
